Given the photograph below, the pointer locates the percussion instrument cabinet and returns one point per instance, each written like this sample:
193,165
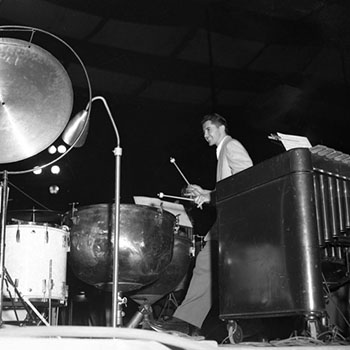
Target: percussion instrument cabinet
283,234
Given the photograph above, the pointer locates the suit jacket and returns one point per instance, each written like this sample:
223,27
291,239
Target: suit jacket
233,158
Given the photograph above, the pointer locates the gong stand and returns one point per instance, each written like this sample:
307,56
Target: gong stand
4,201
30,74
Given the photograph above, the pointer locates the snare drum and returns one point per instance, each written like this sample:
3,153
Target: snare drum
36,262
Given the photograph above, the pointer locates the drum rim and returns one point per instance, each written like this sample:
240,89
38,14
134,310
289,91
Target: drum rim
34,223
104,205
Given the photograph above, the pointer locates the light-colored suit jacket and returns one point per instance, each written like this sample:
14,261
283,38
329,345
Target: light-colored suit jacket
232,159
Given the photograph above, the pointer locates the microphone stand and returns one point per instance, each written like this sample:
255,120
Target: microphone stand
116,297
74,133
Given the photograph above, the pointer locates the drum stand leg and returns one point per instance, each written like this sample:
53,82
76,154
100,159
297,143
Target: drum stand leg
7,278
28,306
170,301
144,315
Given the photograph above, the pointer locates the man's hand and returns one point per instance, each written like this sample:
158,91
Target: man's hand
199,195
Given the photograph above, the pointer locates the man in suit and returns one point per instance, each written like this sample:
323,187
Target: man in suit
232,158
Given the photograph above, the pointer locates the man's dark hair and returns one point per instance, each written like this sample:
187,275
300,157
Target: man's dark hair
216,119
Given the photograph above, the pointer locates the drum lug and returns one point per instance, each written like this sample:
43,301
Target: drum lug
65,289
66,242
18,235
43,287
65,228
177,224
66,238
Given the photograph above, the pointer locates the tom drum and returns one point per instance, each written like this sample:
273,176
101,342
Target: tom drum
36,262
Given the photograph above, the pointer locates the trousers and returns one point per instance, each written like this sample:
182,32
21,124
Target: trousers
198,300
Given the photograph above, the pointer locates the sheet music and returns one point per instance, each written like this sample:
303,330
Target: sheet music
291,141
174,208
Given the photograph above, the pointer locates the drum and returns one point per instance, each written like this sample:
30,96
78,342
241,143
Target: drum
36,262
145,244
173,276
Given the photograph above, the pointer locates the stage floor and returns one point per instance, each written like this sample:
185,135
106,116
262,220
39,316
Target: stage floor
94,338
86,323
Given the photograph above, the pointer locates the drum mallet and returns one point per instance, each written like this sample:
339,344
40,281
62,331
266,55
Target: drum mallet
172,160
162,195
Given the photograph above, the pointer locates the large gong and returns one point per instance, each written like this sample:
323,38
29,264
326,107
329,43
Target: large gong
145,244
36,99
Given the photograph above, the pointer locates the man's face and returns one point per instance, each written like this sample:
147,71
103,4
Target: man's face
213,134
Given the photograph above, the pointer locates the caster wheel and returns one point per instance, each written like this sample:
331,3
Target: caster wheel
235,333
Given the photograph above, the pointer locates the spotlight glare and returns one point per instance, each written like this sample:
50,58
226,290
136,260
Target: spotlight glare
52,149
61,149
55,169
54,189
37,170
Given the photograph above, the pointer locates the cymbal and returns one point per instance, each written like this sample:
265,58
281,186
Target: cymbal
35,215
36,99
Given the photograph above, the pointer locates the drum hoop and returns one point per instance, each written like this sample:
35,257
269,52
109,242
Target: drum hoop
33,223
125,205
